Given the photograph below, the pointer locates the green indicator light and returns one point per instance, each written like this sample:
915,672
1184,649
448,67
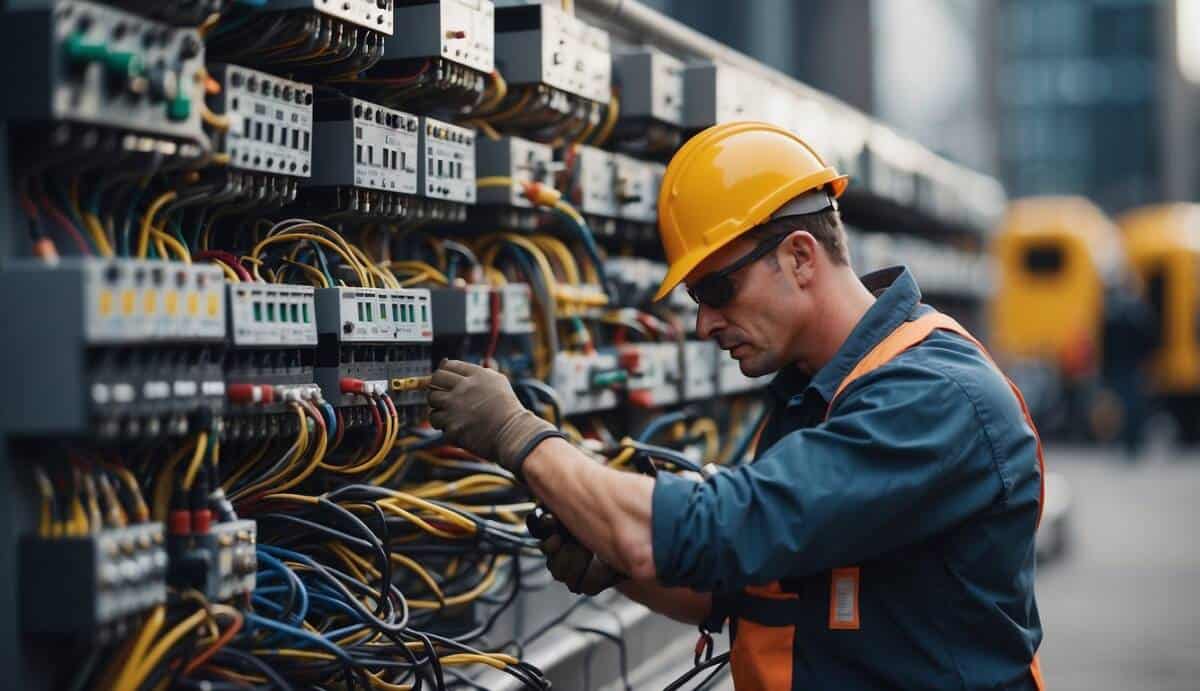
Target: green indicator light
361,316
304,310
382,311
258,311
395,312
283,312
296,313
270,311
424,313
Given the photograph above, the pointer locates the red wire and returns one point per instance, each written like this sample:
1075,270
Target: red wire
222,640
378,426
65,223
229,260
341,422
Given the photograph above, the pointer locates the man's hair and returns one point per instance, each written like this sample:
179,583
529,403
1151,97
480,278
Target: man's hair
825,226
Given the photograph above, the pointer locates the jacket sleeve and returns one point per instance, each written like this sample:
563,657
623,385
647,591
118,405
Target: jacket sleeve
902,458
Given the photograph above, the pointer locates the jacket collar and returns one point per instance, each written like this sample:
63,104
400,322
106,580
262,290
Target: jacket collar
897,297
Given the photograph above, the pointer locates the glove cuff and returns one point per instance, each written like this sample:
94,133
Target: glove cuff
517,463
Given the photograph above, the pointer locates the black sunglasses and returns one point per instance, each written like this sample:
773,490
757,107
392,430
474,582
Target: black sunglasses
717,289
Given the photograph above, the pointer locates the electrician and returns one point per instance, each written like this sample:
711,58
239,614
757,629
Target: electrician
884,536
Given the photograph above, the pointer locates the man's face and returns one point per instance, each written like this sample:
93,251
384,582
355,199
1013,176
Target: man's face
761,325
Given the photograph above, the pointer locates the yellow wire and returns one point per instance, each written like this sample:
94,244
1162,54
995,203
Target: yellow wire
171,241
360,272
161,648
143,244
610,118
150,628
163,484
315,275
193,467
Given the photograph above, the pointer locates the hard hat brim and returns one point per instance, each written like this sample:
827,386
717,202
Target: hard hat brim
680,269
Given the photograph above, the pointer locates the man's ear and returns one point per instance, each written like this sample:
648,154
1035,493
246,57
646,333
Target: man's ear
801,248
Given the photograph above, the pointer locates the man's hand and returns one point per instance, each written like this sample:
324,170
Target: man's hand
476,409
572,564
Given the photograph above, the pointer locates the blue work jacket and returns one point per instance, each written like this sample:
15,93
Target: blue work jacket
924,474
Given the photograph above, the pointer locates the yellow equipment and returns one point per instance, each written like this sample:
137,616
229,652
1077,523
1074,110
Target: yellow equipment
1163,245
1056,256
728,179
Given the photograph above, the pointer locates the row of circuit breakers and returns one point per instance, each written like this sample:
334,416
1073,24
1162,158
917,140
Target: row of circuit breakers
136,344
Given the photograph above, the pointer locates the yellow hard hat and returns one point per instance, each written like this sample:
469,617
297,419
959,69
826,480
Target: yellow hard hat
728,179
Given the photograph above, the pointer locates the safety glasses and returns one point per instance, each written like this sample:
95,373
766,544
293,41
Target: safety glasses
717,289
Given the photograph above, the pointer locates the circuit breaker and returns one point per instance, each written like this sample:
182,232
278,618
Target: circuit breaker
363,144
118,347
85,62
651,84
446,163
460,31
270,121
542,44
518,159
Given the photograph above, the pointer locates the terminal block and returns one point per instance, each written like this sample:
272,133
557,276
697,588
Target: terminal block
106,69
375,15
270,121
700,369
521,160
374,341
653,368
270,355
542,44
588,178
92,585
120,348
446,163
465,311
637,189
366,159
717,93
588,382
516,309
221,562
456,31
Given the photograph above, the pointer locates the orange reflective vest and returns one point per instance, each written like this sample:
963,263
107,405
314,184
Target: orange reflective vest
761,658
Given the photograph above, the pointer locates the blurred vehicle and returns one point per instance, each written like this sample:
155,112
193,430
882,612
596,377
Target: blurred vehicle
1163,245
1057,257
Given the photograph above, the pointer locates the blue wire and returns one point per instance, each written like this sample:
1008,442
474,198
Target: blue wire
660,423
265,557
330,419
301,634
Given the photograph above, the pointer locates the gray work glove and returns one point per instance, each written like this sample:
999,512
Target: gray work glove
571,564
477,410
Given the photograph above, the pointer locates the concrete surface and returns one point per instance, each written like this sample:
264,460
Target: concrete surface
1122,609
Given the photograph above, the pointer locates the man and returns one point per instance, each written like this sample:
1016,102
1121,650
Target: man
883,537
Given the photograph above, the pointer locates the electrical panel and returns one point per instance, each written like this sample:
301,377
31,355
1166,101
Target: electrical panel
270,121
717,93
85,62
591,180
461,31
369,14
520,160
637,184
651,85
373,341
362,144
700,371
542,44
122,347
446,162
588,383
241,236
465,311
94,584
516,309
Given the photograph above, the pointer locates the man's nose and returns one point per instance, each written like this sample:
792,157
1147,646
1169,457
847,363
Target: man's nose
708,320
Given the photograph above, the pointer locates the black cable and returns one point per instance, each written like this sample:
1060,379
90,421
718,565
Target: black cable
235,657
717,661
